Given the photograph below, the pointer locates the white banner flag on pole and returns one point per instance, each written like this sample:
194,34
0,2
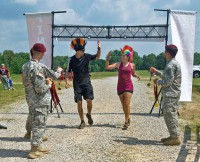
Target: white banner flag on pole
183,36
39,28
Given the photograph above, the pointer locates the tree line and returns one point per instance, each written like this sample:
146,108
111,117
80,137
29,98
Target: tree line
14,61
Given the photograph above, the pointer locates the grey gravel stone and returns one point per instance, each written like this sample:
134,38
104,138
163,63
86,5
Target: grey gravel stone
105,141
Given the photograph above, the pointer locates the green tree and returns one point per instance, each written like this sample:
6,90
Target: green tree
196,58
60,61
149,60
137,60
160,63
1,58
7,57
17,62
115,56
97,65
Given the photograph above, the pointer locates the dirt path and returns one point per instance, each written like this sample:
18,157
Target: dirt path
103,142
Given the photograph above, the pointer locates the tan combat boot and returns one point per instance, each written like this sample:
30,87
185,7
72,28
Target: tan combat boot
34,153
43,150
27,135
45,138
172,141
165,139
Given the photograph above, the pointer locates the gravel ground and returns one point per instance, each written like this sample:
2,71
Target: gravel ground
105,141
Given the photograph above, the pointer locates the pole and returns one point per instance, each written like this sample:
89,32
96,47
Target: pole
167,23
52,35
52,48
166,40
52,40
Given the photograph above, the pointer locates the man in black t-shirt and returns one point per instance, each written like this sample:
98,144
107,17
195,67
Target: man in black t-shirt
79,65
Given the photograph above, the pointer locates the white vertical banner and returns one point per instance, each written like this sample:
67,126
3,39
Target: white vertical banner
39,28
183,36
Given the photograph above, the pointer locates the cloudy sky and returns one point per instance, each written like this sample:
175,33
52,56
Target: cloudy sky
13,31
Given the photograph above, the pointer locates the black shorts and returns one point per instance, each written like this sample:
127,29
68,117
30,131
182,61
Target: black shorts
119,93
83,90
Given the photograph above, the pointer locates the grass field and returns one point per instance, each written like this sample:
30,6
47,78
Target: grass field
12,96
100,75
189,110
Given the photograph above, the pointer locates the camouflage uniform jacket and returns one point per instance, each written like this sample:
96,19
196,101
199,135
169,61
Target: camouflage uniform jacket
37,91
171,79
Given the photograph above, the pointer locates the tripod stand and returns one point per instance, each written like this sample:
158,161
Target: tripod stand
160,104
55,101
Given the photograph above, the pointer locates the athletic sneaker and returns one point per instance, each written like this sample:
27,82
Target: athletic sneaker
125,127
90,121
82,125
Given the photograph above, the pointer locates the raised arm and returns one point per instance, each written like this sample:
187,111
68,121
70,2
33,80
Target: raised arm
98,50
107,65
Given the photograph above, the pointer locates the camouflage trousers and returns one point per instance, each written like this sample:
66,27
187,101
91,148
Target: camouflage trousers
5,82
170,108
36,123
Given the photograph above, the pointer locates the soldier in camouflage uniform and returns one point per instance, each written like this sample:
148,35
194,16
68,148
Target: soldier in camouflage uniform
37,87
171,91
48,73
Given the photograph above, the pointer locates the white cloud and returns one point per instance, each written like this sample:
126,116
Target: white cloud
121,12
27,2
13,35
181,2
71,17
177,3
126,12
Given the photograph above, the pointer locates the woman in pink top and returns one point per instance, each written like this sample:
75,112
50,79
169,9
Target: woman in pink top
126,69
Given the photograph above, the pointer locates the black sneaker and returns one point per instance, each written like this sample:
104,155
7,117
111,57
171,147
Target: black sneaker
82,125
90,121
125,127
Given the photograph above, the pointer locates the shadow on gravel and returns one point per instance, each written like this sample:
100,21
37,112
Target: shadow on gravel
189,144
12,113
144,114
104,113
104,125
62,126
16,139
136,141
5,153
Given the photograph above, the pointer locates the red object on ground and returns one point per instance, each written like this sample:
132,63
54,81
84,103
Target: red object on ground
156,92
54,94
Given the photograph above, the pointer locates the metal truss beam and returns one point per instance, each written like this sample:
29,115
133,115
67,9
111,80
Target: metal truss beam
139,33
